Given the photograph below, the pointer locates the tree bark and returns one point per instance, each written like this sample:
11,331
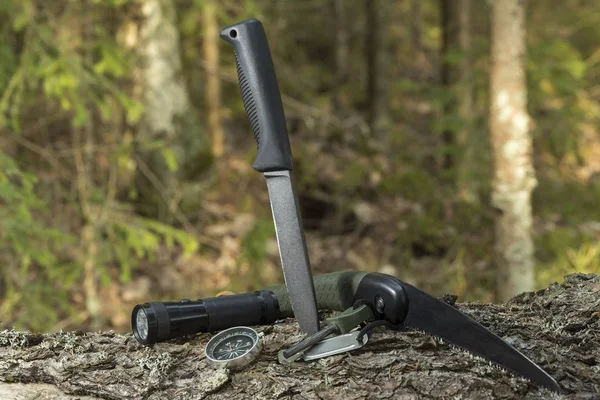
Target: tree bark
514,176
556,327
212,95
377,79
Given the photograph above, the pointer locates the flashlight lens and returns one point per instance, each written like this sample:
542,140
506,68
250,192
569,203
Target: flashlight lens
141,322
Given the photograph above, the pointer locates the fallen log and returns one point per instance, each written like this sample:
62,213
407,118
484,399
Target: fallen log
557,327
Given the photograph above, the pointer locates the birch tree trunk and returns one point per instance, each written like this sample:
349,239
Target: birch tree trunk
165,96
513,176
160,87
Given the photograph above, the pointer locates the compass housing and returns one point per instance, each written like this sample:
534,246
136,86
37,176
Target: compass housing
234,348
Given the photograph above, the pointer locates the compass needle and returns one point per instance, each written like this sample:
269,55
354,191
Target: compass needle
234,347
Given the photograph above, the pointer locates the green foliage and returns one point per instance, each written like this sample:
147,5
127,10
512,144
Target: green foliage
78,75
254,244
556,77
65,75
564,251
569,200
63,58
20,230
254,253
27,242
140,238
415,185
354,178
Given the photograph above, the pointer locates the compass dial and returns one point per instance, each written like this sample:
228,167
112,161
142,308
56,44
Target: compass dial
233,347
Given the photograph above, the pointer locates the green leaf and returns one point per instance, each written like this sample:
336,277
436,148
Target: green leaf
21,21
105,108
189,243
170,158
81,115
133,108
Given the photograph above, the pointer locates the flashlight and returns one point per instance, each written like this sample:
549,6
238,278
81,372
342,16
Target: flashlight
156,321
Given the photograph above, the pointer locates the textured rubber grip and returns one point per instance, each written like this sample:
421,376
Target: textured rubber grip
334,291
260,94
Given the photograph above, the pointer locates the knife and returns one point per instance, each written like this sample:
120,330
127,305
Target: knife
262,102
393,301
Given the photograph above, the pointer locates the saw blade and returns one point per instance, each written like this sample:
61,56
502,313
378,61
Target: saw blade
436,318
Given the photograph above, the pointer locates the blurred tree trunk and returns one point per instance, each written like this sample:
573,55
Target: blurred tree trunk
377,78
83,154
416,28
456,78
161,89
165,96
342,50
212,94
514,176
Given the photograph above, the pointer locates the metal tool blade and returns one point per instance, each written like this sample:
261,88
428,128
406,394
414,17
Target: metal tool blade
335,345
292,249
432,316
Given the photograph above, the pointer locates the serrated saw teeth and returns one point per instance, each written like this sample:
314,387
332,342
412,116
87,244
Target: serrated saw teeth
448,325
468,353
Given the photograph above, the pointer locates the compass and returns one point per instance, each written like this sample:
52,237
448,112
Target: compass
234,347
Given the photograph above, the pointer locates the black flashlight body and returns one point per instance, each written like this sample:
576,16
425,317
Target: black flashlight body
169,320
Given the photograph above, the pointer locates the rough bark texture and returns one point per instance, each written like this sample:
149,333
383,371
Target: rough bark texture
558,327
514,177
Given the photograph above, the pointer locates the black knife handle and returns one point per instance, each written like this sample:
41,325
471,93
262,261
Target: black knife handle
260,94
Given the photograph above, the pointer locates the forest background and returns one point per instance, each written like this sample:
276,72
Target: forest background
125,153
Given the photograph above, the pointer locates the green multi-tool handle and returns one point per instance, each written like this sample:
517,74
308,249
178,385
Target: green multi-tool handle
334,291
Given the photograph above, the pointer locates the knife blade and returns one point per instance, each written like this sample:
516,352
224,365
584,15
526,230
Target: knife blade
263,106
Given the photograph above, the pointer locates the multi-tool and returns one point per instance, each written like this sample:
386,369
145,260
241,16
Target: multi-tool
366,300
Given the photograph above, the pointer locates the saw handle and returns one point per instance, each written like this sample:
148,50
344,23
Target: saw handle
260,95
341,290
